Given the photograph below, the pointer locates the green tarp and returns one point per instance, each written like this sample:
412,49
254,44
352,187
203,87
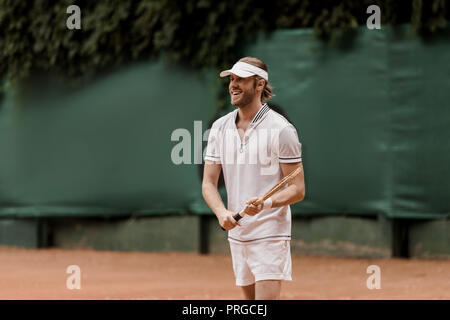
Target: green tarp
372,113
106,149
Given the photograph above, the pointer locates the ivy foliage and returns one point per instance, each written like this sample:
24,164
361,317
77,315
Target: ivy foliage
198,33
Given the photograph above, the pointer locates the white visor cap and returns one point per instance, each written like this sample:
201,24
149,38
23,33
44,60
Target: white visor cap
245,70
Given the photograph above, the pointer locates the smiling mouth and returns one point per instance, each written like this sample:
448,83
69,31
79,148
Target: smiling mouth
236,93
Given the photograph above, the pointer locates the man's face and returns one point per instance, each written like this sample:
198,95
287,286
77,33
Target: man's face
242,90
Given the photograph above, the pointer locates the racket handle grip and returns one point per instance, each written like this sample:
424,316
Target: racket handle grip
236,217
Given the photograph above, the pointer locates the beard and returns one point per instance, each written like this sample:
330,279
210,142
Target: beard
245,98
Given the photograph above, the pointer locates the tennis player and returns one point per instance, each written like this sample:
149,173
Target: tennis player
255,147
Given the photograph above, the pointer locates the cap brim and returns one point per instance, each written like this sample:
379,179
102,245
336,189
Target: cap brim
239,73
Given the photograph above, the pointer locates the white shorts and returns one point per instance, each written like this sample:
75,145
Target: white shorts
265,260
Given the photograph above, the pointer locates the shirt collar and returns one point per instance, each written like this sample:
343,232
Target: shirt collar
258,116
262,111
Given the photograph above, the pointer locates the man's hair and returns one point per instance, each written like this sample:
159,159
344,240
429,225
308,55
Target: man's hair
267,91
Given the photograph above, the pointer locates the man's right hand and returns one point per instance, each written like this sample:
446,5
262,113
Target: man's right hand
226,220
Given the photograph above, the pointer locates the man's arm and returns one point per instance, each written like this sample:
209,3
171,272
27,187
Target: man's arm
294,192
211,173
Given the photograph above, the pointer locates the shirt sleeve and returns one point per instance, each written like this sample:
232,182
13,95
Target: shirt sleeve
213,148
290,148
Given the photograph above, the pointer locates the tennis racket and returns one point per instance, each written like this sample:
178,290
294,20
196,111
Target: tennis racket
238,216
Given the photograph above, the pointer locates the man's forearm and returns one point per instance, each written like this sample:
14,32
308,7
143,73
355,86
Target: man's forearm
287,196
212,198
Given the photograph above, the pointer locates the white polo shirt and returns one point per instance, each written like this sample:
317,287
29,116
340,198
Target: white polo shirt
251,167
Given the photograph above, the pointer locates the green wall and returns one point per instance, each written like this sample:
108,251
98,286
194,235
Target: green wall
372,112
344,236
104,150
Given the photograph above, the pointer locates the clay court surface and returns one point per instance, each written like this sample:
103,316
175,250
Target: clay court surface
41,274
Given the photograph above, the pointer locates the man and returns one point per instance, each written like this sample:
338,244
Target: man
242,144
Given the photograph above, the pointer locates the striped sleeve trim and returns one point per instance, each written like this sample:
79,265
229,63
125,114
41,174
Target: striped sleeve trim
290,159
212,158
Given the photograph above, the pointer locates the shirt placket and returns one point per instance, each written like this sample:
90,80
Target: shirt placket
245,138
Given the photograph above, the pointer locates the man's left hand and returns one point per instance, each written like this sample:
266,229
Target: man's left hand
251,208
